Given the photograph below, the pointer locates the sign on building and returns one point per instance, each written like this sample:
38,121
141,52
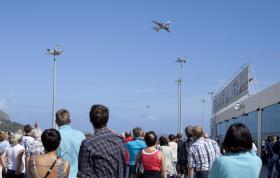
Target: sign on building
234,90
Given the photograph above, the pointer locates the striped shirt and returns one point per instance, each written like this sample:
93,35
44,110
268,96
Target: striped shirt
202,154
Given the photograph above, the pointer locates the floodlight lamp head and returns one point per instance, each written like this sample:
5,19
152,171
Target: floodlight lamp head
237,106
181,60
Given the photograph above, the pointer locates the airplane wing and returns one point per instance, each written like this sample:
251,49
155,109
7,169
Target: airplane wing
167,29
156,22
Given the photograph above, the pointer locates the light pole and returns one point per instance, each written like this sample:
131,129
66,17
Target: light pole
54,52
211,93
179,104
181,61
202,121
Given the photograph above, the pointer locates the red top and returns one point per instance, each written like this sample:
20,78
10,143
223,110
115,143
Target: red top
150,161
128,139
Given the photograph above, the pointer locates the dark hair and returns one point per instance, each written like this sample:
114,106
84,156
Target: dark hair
189,131
179,135
62,117
150,138
27,128
50,139
99,115
127,134
237,139
172,137
137,132
163,141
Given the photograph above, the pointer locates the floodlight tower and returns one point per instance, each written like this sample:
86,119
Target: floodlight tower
202,120
180,61
211,93
179,104
54,52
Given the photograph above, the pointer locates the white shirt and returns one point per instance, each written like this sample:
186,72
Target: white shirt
12,155
254,148
174,147
26,140
170,166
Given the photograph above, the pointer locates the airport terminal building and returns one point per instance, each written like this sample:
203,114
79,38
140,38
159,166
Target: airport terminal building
259,112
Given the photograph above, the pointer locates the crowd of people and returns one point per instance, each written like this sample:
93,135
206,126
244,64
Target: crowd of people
272,152
67,152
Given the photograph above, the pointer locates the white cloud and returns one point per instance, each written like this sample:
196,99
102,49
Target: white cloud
4,101
3,104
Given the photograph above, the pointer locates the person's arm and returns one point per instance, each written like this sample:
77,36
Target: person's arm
191,162
163,166
190,172
217,148
27,160
84,161
66,169
4,158
19,162
137,158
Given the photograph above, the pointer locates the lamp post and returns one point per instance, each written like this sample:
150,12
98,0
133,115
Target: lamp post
179,104
54,52
211,93
181,61
202,120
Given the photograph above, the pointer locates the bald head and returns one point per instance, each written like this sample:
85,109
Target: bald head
198,132
205,135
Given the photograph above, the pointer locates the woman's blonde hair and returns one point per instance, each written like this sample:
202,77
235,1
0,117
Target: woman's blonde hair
2,135
16,138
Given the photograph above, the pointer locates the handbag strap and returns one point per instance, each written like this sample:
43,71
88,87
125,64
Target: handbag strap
51,168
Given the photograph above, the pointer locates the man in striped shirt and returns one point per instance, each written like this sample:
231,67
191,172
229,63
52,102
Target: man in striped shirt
202,154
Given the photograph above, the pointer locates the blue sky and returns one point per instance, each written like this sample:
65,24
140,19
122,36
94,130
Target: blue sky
114,57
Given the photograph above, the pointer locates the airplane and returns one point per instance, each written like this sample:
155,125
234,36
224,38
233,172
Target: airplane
159,26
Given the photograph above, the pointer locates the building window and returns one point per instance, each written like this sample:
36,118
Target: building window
224,127
271,119
251,122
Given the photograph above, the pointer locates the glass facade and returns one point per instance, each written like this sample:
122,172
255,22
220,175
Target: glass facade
251,122
271,119
218,129
224,126
270,122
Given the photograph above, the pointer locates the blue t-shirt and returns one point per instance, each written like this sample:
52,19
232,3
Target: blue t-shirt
69,147
236,165
133,148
